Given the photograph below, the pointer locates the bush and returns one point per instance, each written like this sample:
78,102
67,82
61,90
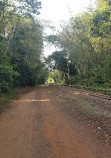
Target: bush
6,74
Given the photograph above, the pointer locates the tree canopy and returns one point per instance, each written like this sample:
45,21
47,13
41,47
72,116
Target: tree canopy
86,41
21,44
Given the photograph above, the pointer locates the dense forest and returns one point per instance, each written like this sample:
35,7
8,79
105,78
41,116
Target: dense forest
84,43
85,49
21,44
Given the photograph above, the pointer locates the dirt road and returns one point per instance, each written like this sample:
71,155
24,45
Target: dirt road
36,126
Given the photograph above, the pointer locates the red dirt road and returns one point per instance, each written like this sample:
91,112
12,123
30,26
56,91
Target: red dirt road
35,126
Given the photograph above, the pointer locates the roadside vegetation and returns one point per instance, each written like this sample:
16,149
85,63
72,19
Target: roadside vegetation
84,41
85,49
21,45
7,97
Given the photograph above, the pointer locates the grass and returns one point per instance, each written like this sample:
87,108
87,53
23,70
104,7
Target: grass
88,107
109,116
8,97
96,89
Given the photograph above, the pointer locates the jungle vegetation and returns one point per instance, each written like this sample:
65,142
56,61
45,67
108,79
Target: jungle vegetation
21,45
84,42
85,49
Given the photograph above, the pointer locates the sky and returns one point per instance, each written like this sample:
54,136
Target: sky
57,11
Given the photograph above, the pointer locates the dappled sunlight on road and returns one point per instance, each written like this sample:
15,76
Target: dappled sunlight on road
34,100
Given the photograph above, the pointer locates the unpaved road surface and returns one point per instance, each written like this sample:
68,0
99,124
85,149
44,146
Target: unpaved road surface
37,126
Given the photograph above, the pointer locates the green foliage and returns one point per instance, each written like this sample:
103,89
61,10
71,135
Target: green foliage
43,75
32,6
7,97
21,45
58,60
27,48
101,22
86,39
7,74
109,2
55,77
53,39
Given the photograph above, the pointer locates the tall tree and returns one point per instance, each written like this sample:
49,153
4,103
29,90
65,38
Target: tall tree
21,44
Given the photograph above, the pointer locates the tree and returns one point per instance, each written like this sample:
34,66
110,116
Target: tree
7,73
32,6
26,50
58,61
21,43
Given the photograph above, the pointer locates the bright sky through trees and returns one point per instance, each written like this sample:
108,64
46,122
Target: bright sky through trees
57,10
61,10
